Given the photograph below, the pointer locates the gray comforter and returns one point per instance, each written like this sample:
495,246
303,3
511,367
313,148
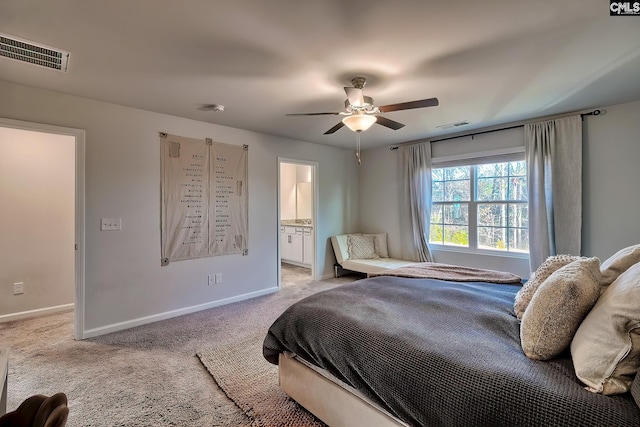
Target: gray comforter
437,353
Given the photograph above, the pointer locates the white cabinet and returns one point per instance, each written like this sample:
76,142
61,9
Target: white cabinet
307,255
296,245
291,244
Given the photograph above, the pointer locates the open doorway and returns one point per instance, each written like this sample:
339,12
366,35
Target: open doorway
42,187
297,221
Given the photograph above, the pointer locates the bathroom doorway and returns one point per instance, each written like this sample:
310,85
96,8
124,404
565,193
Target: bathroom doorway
297,222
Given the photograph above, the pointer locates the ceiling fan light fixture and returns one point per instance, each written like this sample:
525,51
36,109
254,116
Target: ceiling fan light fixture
359,122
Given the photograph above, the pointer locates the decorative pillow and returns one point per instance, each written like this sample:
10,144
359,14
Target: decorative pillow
361,247
380,243
558,307
524,295
619,262
606,347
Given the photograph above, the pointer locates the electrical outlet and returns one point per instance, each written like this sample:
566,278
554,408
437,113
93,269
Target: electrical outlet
212,279
218,278
110,224
18,288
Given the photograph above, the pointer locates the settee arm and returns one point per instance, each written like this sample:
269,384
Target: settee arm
635,389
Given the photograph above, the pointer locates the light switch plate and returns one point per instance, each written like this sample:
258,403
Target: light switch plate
110,224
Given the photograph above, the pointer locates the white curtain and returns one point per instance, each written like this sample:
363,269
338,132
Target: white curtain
554,173
416,203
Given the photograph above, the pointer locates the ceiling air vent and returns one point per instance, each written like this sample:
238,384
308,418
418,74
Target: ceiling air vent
453,125
32,53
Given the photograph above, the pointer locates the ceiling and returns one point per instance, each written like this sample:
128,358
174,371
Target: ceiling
488,62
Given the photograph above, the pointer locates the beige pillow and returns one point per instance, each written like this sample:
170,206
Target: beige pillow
606,347
619,262
380,244
558,307
361,247
524,295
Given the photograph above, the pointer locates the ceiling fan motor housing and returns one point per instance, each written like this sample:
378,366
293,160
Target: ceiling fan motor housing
358,82
367,105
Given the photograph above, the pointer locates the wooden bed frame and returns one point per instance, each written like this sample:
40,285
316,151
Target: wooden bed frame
329,399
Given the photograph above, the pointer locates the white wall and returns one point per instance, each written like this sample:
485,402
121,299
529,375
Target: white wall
37,199
296,191
380,197
610,176
124,282
287,191
611,167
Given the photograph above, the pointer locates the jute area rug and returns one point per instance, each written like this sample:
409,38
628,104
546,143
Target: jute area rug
252,384
243,374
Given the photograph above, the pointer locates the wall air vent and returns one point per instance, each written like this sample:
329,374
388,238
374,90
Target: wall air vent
37,54
453,125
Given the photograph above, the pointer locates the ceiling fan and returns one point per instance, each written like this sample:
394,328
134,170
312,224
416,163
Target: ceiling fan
361,113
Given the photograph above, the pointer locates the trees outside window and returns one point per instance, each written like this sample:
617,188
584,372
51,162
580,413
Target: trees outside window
481,206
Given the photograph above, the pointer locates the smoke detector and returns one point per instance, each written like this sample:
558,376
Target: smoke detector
33,53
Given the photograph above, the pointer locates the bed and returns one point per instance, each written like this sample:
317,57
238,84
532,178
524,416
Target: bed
372,260
407,351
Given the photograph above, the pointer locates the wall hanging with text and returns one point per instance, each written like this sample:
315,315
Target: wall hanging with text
204,198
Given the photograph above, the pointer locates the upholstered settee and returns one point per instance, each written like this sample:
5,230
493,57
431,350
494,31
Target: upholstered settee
364,253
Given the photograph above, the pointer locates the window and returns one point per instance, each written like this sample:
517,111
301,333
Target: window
481,207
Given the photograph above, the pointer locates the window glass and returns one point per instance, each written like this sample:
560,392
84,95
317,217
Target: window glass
495,192
451,193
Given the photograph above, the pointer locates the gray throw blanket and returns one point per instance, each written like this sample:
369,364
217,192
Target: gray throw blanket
455,273
439,353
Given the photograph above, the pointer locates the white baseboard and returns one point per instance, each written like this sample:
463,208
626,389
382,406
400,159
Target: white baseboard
35,313
327,276
90,333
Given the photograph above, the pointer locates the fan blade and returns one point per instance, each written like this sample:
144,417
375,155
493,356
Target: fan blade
391,124
354,96
335,128
431,102
312,114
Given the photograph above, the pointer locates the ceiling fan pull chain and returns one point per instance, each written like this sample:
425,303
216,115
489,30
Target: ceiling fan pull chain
358,147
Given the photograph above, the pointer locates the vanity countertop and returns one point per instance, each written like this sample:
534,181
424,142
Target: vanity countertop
296,223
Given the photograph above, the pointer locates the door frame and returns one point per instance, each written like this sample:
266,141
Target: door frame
314,213
79,259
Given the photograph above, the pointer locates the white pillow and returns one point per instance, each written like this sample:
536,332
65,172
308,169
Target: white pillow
380,243
361,247
606,347
619,262
558,307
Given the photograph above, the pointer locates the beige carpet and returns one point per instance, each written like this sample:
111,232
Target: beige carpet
252,383
144,376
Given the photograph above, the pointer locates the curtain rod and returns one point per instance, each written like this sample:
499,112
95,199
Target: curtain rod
592,113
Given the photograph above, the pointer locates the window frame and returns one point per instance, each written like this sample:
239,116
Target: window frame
496,156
